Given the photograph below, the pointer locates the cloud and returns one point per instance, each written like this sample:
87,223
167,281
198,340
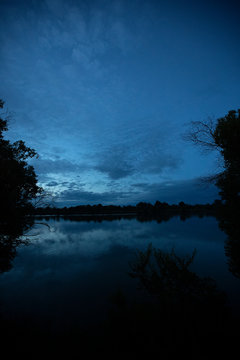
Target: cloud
156,162
190,191
119,165
47,166
52,183
116,172
77,197
91,83
115,162
137,150
65,53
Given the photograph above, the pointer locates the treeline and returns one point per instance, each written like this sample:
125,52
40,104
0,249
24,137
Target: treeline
165,211
86,209
141,209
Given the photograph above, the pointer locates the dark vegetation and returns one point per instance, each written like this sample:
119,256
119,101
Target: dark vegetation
142,211
222,135
18,181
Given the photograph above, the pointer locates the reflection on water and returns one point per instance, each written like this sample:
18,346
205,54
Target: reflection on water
61,284
11,237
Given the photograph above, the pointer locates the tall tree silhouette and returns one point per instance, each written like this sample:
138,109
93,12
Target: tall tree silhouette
18,181
224,136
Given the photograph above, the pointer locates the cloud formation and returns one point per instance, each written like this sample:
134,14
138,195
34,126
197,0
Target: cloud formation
76,197
103,89
190,191
47,166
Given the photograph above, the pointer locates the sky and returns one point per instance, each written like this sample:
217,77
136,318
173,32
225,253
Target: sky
104,91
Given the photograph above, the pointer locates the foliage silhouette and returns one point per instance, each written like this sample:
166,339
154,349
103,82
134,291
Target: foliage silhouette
142,211
167,274
180,312
228,221
224,136
12,234
18,181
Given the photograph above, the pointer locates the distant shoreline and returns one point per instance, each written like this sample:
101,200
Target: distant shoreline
141,212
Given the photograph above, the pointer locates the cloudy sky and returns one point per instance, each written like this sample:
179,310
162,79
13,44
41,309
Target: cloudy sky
104,90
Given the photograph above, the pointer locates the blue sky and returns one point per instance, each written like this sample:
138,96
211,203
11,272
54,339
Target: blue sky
104,90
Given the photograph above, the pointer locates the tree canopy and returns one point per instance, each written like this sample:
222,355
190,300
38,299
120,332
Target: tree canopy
224,136
227,137
18,181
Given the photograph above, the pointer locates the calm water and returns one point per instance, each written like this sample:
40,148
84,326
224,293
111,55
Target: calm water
69,270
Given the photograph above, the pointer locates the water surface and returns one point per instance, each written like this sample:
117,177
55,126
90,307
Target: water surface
67,273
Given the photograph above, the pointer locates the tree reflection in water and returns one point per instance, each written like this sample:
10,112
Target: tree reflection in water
229,222
12,234
179,313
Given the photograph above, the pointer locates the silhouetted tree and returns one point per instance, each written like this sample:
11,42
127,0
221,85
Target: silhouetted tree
224,136
18,181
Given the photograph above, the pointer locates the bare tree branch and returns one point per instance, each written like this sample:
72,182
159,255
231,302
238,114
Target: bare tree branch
201,133
43,199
